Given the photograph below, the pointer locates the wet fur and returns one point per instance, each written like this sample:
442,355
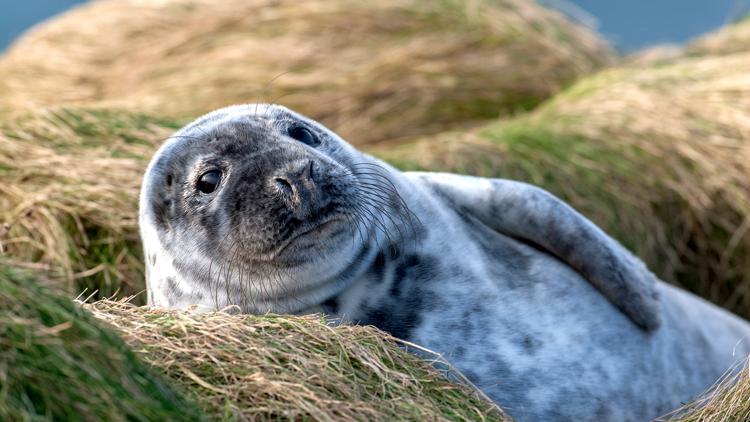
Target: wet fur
548,315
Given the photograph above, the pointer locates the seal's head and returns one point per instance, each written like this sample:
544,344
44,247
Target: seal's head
259,207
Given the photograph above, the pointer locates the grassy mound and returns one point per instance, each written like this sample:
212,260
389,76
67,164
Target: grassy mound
371,70
733,39
57,363
68,203
658,156
730,39
295,368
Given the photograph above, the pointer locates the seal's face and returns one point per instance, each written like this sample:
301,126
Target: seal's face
248,198
260,187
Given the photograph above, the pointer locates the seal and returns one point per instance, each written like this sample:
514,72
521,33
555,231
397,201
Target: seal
259,209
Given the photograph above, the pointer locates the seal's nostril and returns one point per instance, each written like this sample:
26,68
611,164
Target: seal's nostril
284,185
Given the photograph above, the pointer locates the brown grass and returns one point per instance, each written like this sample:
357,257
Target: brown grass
730,40
726,401
658,156
68,201
371,70
294,368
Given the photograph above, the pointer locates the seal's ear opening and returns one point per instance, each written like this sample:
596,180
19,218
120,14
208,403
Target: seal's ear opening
526,212
161,212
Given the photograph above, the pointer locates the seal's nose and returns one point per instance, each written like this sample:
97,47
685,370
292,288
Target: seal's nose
300,190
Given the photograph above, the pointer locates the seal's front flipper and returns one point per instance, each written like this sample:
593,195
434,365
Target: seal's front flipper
526,212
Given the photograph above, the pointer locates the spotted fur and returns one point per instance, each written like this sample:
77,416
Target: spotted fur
548,315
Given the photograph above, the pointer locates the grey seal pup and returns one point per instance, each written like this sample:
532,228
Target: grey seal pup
259,208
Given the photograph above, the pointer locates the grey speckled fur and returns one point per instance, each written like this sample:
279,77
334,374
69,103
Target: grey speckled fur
548,315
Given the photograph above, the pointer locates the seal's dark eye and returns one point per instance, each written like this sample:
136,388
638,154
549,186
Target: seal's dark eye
303,135
208,181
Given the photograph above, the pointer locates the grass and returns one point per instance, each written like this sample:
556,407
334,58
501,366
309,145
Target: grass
68,203
657,156
270,367
730,40
59,363
726,401
373,71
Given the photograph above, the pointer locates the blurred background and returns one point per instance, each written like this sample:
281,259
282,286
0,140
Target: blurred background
627,25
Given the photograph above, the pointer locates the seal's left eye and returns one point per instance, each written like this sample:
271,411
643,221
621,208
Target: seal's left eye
303,135
208,181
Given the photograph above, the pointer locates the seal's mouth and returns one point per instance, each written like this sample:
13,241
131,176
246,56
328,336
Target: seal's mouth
310,233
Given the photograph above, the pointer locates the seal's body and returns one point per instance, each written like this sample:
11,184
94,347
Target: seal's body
261,209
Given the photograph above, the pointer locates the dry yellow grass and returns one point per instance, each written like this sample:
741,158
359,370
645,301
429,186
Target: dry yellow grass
658,156
271,367
726,401
371,70
68,201
732,39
